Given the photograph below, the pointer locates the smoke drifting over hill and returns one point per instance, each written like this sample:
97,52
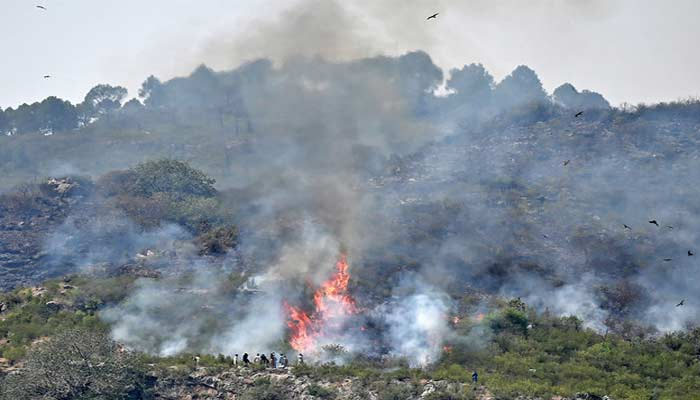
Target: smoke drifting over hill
494,187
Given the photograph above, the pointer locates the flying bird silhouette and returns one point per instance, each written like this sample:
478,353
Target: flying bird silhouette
690,253
668,259
42,7
578,114
626,226
566,162
47,76
434,16
681,303
669,227
653,221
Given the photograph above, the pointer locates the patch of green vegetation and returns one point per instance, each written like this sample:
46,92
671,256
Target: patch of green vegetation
515,350
321,392
556,356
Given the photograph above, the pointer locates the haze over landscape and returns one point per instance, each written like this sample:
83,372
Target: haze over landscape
611,46
424,200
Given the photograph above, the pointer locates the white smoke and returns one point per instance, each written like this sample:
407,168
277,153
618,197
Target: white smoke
418,325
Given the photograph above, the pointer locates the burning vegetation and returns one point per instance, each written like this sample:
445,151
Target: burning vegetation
332,305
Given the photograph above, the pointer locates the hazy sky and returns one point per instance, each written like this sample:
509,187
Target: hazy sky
629,50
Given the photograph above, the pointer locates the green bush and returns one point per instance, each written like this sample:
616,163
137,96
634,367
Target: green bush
321,392
218,240
170,176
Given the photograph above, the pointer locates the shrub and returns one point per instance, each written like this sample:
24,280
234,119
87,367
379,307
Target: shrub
76,364
218,240
170,176
321,392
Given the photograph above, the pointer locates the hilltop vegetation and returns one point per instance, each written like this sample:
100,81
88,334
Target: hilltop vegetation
515,350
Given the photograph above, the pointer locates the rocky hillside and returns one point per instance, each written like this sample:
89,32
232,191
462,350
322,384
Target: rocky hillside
27,216
244,383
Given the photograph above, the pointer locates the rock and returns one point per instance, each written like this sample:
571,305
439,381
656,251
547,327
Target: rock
54,306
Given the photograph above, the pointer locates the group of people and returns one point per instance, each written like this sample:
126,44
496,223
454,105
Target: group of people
273,361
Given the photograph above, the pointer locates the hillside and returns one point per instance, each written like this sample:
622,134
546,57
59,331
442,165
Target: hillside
397,237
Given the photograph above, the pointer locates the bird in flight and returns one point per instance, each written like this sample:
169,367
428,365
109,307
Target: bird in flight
42,7
566,162
681,303
653,221
626,226
690,253
434,16
47,76
578,114
668,259
669,227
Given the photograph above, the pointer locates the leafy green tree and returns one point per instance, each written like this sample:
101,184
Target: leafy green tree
171,176
57,115
76,364
24,119
102,99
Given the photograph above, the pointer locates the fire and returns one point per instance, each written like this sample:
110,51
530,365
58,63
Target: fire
300,325
331,303
332,298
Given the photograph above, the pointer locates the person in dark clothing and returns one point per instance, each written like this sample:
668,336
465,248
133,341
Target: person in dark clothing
246,361
263,360
475,377
273,360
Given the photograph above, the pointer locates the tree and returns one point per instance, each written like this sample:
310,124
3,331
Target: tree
567,96
419,76
57,115
4,122
102,99
521,87
76,364
24,119
171,176
152,92
473,88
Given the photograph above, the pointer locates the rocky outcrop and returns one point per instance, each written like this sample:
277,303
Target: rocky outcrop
243,383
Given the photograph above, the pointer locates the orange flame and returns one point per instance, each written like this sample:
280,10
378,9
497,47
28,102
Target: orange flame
331,301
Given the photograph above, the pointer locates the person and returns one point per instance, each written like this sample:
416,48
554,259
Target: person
283,361
300,359
263,360
273,360
256,360
246,361
475,377
235,360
